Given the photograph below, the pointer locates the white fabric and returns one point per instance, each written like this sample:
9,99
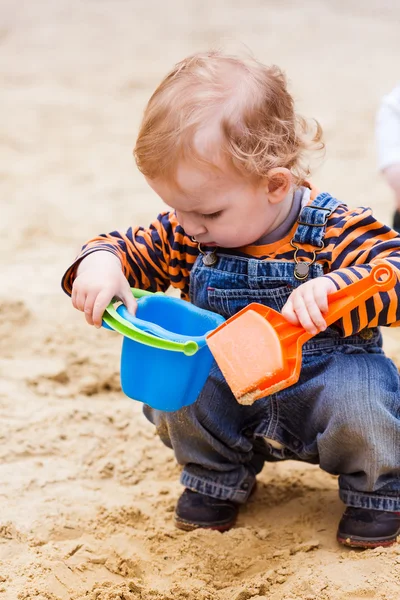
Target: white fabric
388,129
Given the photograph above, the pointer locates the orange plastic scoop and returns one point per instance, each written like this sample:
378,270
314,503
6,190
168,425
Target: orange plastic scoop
259,352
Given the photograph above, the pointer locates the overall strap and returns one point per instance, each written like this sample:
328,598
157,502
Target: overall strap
311,227
312,220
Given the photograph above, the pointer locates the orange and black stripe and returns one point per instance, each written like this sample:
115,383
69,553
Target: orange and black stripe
163,255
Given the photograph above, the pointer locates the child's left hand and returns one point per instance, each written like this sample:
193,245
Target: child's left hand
307,303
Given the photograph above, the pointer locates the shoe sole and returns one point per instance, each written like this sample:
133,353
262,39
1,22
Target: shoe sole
359,542
188,526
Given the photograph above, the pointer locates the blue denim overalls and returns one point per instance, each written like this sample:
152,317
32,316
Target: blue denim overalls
344,412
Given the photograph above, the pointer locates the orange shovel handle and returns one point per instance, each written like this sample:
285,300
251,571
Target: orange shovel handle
381,278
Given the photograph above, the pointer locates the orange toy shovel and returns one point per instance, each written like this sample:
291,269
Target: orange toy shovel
259,352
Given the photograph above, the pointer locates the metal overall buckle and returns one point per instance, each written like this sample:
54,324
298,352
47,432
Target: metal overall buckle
209,258
302,267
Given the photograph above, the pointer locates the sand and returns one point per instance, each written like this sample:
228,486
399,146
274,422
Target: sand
87,489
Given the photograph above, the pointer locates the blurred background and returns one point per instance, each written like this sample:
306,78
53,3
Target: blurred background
87,489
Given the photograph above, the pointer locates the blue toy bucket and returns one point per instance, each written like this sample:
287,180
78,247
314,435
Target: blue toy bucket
165,360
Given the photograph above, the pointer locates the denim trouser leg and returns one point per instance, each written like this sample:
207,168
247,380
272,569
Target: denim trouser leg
209,440
343,413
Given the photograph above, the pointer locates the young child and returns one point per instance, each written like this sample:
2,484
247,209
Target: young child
221,144
388,138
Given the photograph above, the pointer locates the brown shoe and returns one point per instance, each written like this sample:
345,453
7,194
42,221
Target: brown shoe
195,511
367,528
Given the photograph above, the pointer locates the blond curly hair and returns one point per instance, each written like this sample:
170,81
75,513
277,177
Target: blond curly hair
241,104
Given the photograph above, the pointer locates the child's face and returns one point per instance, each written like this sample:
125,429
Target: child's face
220,208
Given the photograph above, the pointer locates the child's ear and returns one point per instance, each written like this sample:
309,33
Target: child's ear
279,183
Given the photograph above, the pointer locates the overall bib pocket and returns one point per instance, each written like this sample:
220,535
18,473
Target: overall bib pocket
228,302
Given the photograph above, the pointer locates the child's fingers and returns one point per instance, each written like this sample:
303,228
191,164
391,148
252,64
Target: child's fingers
129,301
308,303
313,310
289,313
88,308
73,296
80,299
303,314
321,298
308,311
101,302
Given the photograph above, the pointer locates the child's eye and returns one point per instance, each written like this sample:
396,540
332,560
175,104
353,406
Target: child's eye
212,215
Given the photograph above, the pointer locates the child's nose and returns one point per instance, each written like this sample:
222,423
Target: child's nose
191,225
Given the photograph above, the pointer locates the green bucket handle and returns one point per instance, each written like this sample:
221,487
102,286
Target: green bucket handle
114,320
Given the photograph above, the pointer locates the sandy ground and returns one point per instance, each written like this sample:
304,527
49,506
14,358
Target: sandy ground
87,490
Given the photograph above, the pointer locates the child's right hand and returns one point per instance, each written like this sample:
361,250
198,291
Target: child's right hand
100,279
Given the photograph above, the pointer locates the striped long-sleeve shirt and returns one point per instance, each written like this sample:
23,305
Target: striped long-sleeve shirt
161,255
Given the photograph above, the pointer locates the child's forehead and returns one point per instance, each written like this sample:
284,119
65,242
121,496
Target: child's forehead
207,164
192,176
194,187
